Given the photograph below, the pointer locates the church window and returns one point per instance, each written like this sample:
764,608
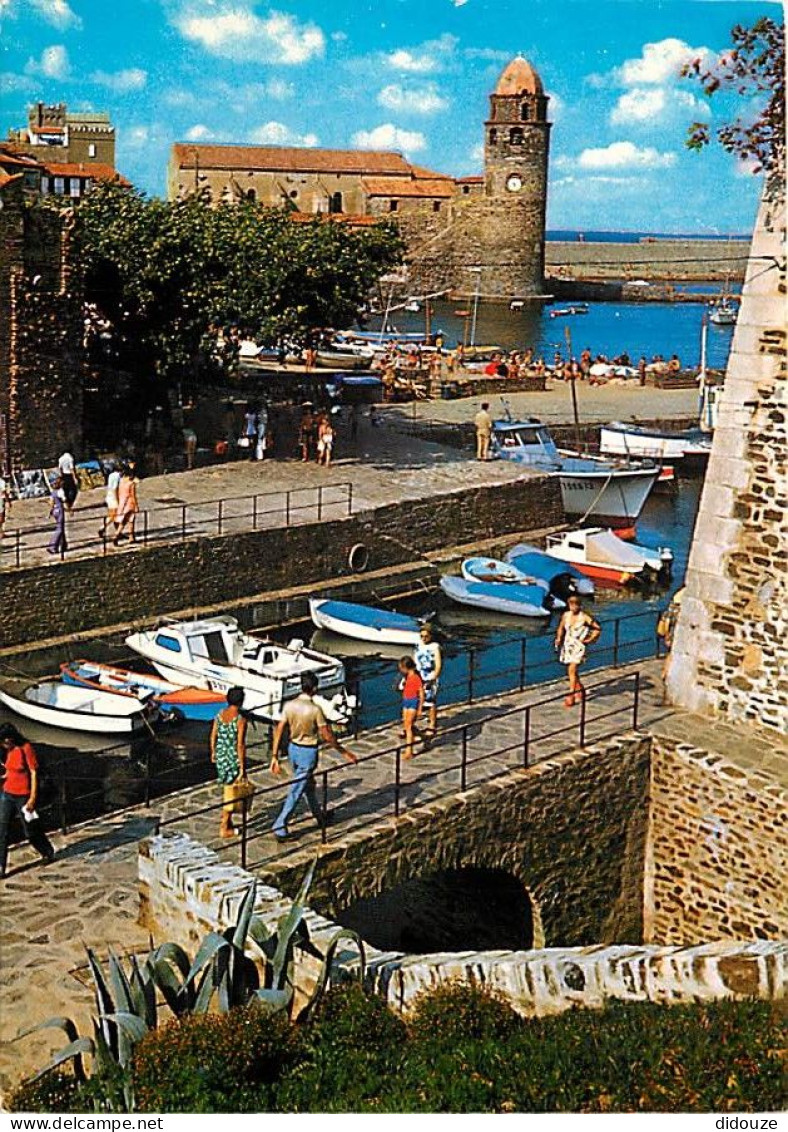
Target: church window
91,150
493,136
516,136
251,194
393,205
335,204
436,206
525,112
294,194
466,189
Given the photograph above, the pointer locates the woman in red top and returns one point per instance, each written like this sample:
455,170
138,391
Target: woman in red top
412,701
20,793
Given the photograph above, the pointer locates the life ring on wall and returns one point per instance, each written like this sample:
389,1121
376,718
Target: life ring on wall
358,558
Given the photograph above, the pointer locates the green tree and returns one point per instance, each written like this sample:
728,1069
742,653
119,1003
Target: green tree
754,66
163,274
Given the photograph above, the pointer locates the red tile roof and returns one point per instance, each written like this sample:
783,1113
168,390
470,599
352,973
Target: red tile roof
428,174
9,178
47,130
476,179
9,156
287,159
97,172
394,187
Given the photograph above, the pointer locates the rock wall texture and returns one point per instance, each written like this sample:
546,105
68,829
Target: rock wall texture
185,890
730,653
663,259
718,850
40,335
571,829
75,596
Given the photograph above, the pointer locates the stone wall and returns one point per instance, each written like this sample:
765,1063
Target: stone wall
571,829
664,259
186,890
718,850
730,654
82,594
40,335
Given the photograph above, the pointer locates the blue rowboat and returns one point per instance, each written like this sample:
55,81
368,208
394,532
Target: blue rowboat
493,570
364,622
199,704
500,597
562,579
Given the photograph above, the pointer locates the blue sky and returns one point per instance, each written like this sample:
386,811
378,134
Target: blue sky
411,75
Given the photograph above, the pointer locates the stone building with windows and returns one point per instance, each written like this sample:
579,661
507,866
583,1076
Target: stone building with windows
489,227
53,133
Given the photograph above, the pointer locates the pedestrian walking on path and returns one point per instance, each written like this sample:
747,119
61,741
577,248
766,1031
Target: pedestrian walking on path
666,627
57,512
228,752
20,794
307,725
429,662
576,631
67,470
412,702
128,504
484,425
111,500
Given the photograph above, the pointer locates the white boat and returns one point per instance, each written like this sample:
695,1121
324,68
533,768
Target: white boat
363,623
609,493
493,570
618,439
560,578
500,597
341,359
600,554
214,653
78,709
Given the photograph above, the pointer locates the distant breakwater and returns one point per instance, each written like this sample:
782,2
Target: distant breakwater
676,260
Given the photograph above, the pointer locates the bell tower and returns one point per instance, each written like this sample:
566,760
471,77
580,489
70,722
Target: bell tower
510,246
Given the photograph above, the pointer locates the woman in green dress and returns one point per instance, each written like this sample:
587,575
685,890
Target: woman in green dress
228,751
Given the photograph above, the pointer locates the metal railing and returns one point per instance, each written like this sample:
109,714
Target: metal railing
393,793
86,534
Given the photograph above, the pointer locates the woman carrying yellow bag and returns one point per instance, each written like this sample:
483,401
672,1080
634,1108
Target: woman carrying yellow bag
228,752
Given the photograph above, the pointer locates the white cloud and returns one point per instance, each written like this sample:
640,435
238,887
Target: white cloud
232,30
389,136
459,3
55,12
199,133
660,62
121,82
412,100
53,64
655,104
339,36
621,155
429,57
10,82
477,154
136,137
488,54
277,133
556,106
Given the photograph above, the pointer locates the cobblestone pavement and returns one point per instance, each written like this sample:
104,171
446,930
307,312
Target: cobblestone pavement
89,894
385,465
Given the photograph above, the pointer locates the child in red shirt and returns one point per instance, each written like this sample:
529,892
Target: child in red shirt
412,701
20,793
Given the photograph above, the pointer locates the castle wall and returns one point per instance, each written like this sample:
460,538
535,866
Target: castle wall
730,653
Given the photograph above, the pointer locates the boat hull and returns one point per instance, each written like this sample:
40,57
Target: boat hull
199,705
361,623
498,597
608,498
653,445
560,578
66,719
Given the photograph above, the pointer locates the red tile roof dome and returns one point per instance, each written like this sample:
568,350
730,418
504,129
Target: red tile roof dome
519,77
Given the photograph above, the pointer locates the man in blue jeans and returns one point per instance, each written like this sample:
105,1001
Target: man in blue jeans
307,725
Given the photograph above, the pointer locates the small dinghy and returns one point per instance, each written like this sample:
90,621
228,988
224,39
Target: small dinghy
560,579
500,597
493,570
187,703
364,623
79,709
601,554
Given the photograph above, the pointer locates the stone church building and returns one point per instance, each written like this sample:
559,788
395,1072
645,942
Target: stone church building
489,227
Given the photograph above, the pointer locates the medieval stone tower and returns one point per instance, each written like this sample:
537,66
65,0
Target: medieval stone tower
505,225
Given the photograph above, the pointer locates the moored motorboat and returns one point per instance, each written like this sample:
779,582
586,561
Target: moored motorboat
560,578
724,314
617,439
78,709
500,597
341,359
214,653
600,554
364,623
188,703
607,492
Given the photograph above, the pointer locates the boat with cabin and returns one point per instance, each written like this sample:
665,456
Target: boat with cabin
364,623
606,492
215,653
601,555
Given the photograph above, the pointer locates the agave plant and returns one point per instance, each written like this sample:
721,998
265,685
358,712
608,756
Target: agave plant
127,1004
